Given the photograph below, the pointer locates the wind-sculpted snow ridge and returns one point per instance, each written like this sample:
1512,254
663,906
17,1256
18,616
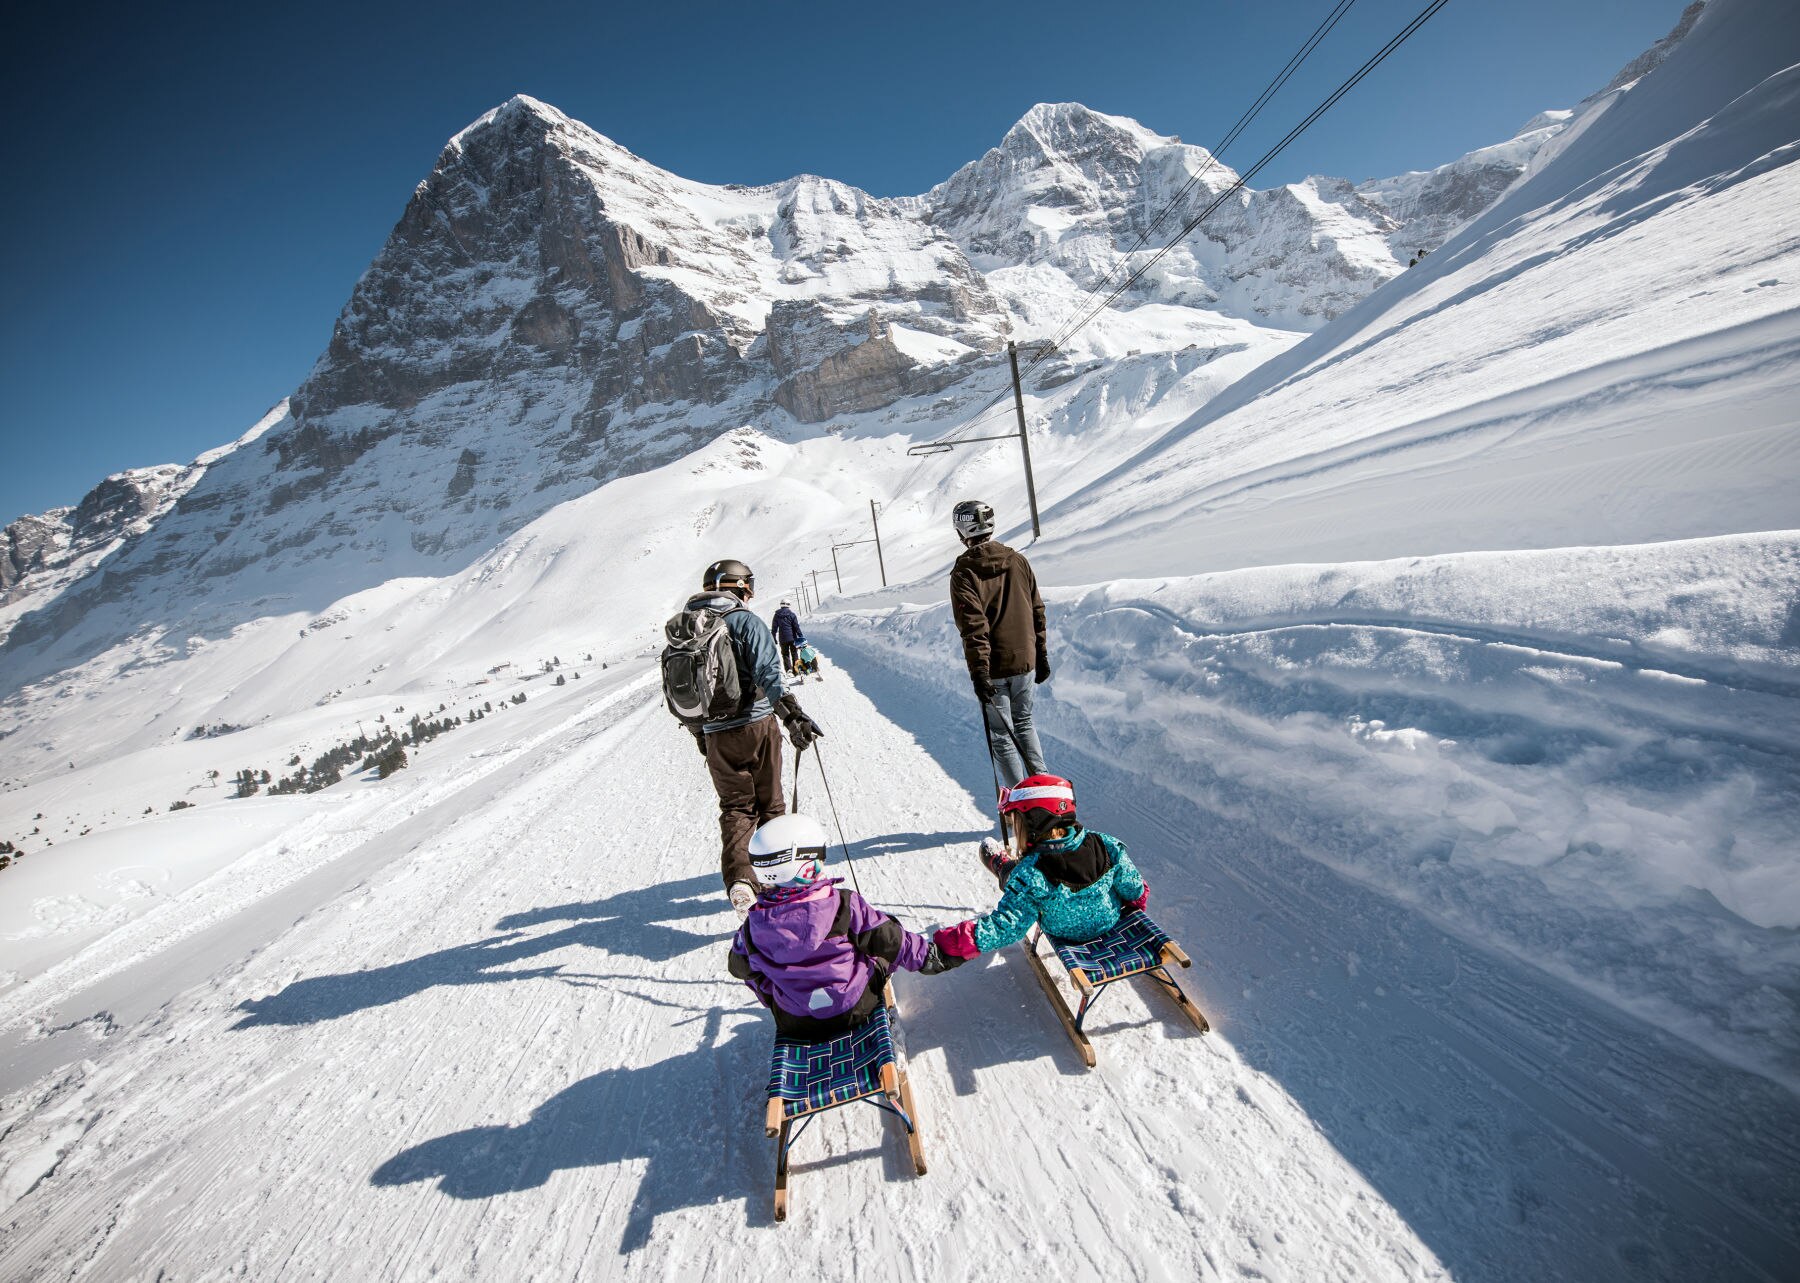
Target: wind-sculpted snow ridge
1585,757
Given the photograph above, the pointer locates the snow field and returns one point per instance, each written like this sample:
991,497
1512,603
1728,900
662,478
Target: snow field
514,1052
1591,361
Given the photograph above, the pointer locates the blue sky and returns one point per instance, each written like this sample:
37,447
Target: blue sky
195,188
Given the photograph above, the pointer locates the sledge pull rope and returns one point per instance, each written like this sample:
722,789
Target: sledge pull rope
849,861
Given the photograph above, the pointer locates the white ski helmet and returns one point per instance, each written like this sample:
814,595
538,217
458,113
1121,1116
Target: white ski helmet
788,851
973,519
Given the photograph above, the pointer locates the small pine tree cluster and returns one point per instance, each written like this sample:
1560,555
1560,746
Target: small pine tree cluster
384,753
389,760
8,852
420,731
213,732
326,769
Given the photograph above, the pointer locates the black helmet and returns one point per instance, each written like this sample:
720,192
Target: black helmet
729,574
973,519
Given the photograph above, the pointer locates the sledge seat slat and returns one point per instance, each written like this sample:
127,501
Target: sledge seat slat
1132,947
806,1077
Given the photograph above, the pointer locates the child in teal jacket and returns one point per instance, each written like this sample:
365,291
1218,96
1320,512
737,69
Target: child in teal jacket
1072,881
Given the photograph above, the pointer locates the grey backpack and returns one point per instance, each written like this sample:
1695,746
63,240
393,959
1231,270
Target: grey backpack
700,668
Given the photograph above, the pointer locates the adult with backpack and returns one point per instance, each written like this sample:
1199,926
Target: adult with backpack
994,598
722,680
786,625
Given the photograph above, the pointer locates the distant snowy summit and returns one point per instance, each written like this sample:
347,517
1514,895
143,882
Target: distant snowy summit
552,311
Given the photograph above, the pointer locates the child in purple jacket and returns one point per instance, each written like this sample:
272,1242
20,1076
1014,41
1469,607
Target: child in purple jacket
815,954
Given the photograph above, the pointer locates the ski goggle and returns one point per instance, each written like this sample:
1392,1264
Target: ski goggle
1052,793
796,866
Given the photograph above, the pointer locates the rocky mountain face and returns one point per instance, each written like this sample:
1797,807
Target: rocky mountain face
552,310
1428,207
36,552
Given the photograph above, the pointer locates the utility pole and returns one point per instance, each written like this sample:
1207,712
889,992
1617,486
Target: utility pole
878,558
1012,356
815,575
950,443
836,573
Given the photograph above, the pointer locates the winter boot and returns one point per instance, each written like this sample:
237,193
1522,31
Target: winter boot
997,859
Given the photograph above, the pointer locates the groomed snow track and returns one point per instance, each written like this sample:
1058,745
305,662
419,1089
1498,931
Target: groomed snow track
501,1044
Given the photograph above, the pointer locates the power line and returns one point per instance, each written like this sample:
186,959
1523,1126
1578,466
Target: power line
1374,61
1085,318
1269,91
1072,327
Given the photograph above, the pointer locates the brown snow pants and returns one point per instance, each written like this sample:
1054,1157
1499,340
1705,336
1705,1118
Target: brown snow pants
745,763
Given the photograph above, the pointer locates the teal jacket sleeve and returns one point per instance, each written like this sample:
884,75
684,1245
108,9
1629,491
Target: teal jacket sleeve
1016,912
1128,883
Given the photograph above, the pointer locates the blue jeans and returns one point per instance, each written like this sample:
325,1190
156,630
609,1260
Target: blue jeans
1011,737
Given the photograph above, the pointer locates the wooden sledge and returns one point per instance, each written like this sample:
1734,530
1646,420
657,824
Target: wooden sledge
807,1079
1135,947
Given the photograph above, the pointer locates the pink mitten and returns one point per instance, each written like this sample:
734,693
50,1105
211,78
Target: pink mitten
957,941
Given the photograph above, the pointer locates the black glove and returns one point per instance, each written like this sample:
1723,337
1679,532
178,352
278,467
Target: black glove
801,729
700,742
1043,669
984,689
937,961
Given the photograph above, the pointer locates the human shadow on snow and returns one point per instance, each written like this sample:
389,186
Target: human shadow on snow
639,1114
635,922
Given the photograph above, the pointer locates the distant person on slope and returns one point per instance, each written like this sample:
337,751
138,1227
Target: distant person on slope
994,597
787,632
722,679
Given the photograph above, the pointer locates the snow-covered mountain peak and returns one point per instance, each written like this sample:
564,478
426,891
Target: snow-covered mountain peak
1069,130
552,310
519,110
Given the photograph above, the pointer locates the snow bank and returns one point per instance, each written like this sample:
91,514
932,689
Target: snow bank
1585,757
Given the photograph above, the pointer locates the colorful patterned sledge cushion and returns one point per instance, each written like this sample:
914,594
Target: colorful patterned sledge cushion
1135,945
809,1076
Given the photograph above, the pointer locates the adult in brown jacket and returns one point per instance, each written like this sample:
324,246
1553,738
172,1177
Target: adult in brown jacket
994,597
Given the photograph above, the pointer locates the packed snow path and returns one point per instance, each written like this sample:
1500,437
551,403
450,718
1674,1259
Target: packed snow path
510,1051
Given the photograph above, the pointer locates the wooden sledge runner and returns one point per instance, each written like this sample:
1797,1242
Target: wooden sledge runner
807,1079
1135,947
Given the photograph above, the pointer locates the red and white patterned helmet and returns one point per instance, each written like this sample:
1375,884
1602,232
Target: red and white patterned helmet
1051,794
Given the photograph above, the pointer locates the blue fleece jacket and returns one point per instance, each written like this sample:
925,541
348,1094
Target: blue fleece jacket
759,663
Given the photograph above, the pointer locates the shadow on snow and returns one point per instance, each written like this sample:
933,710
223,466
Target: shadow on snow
633,922
693,1157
